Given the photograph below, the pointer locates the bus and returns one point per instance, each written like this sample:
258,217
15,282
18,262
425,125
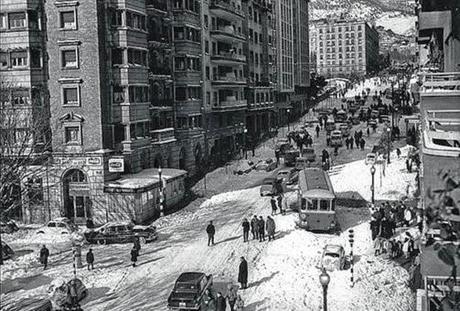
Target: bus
330,124
316,201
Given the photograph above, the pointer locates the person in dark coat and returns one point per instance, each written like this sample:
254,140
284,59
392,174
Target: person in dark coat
273,204
362,142
254,228
90,259
245,226
137,244
221,304
270,224
210,230
280,204
134,254
317,131
375,228
243,273
351,142
261,229
277,156
347,143
44,254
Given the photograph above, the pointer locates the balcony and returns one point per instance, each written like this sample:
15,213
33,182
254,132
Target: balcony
441,133
159,41
162,104
158,5
227,58
226,10
261,106
228,79
128,75
163,136
230,104
435,84
227,34
160,74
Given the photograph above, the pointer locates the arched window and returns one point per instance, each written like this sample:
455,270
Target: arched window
75,175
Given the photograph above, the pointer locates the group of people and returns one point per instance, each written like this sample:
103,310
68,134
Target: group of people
219,303
259,228
385,219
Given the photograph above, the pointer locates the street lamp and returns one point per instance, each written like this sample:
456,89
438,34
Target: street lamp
351,239
324,279
389,142
372,186
288,111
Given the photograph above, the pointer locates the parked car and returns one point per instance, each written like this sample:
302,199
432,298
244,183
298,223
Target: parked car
61,225
268,187
370,159
267,165
309,154
7,251
244,167
290,156
189,290
333,257
289,175
121,232
8,226
343,127
283,145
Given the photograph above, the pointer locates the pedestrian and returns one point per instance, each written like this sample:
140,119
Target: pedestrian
73,293
254,228
134,254
362,143
245,226
377,246
221,305
44,254
270,228
243,273
137,244
347,143
280,204
239,303
374,224
209,301
407,217
211,231
277,155
398,152
231,296
261,229
351,142
317,131
90,259
273,204
368,132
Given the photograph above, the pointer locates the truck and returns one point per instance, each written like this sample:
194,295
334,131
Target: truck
189,290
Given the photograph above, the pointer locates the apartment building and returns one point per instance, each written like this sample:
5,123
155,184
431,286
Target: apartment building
345,47
440,134
260,53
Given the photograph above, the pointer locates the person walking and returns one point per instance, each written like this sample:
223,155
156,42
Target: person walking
239,303
137,244
273,204
232,296
270,224
211,231
254,228
398,152
261,229
73,294
362,142
351,142
347,143
90,259
44,254
317,131
368,132
209,300
277,156
281,204
243,273
245,226
221,304
134,254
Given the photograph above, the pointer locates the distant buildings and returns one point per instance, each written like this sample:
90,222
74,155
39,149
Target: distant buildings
135,85
344,47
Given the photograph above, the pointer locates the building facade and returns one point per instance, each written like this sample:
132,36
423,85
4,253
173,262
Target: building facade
345,47
130,86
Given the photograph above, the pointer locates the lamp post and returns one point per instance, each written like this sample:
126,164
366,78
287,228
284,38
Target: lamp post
372,185
161,192
351,236
288,119
324,279
389,142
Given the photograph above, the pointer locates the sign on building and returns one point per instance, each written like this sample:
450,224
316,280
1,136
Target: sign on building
116,165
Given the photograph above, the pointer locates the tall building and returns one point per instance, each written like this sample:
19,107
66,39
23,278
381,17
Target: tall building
440,135
345,47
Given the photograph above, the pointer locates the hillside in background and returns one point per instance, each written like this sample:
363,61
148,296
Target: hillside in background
396,15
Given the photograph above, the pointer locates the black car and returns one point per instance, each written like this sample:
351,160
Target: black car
121,232
188,291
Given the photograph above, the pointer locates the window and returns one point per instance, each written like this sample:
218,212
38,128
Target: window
69,58
19,59
118,94
323,205
3,60
3,21
137,57
20,97
35,58
17,20
117,18
70,96
207,73
68,20
206,46
72,134
117,56
206,21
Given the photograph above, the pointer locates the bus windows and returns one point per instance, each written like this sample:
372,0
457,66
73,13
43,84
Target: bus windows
303,206
333,205
313,205
323,205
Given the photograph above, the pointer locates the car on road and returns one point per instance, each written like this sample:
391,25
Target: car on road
309,154
290,156
61,225
268,165
333,257
371,158
268,186
121,232
288,175
336,138
8,226
282,144
189,290
343,127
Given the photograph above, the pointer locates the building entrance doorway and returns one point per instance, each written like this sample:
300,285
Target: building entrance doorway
77,202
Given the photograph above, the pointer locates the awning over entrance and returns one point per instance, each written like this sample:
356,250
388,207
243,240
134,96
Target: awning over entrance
143,181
